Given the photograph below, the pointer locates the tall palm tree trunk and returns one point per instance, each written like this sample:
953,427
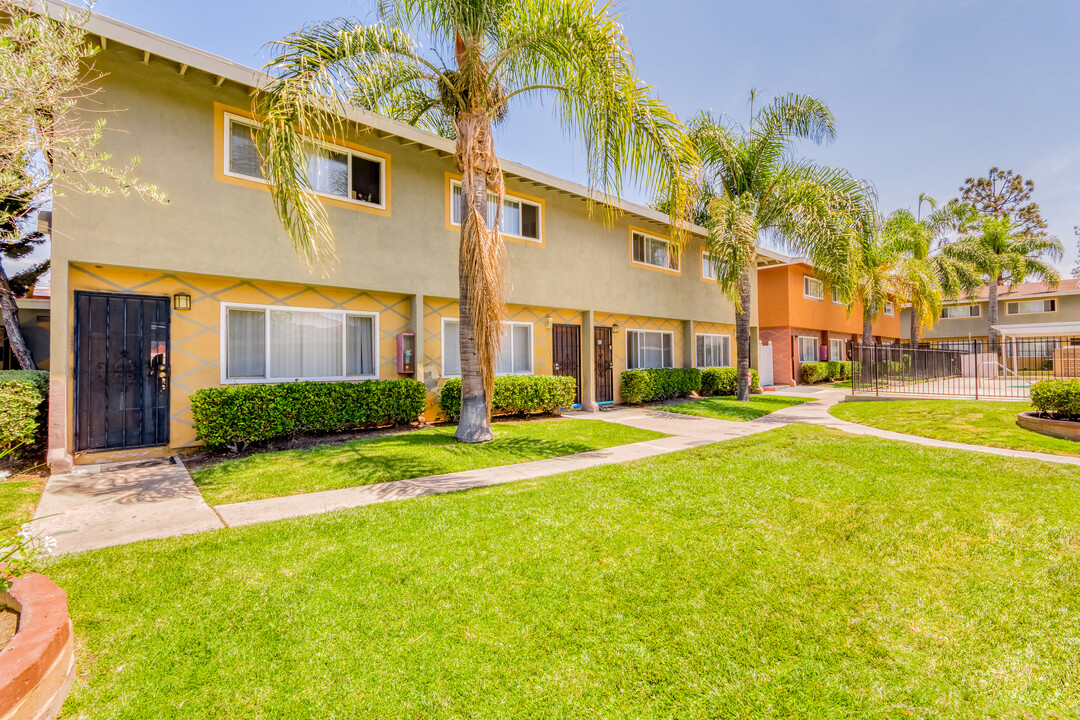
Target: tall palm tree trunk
868,324
742,337
914,327
992,311
481,308
9,310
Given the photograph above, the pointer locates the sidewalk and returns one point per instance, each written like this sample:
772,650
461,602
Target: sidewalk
90,509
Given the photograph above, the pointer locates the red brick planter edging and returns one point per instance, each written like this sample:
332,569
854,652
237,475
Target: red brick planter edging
1064,429
38,666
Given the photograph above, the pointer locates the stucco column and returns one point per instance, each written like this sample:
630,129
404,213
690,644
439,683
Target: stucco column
689,344
588,363
416,315
61,328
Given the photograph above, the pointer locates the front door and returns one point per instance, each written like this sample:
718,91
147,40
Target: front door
121,370
605,387
566,354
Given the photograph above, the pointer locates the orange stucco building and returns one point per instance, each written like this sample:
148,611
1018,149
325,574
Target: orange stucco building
805,320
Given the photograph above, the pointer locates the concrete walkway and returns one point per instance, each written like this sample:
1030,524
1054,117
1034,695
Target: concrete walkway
145,501
95,508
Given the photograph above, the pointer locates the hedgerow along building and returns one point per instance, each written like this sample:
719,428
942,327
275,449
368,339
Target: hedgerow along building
152,302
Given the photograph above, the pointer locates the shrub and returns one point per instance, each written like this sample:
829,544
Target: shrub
24,398
814,372
515,395
240,414
640,386
1059,398
725,381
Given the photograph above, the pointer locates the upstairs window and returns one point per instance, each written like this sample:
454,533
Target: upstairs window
332,170
960,311
837,300
649,349
1030,307
708,269
812,288
890,308
653,251
713,351
520,217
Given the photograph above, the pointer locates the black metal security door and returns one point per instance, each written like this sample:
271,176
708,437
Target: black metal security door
566,354
121,370
605,387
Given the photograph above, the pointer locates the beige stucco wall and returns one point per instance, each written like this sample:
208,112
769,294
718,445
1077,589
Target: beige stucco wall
1068,310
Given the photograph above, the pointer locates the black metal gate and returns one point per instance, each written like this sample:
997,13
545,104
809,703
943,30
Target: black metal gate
121,370
963,368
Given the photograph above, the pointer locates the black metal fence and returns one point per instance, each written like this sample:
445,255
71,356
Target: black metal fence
968,368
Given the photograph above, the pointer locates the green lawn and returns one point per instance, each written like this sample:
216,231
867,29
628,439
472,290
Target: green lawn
728,408
406,455
798,573
18,498
977,422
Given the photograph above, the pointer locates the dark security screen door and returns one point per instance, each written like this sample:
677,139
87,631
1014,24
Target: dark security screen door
566,353
605,388
121,370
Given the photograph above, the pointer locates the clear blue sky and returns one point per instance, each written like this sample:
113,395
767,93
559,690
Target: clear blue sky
926,93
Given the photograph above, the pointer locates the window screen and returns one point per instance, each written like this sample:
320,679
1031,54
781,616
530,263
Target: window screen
243,152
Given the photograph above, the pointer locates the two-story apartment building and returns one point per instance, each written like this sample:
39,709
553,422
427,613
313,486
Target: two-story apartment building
152,302
804,320
1045,315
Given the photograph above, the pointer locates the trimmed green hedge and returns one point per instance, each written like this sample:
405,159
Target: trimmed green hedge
240,414
640,386
815,372
24,396
725,381
515,395
1059,398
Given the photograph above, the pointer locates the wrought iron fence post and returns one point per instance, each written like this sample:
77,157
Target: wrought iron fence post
975,344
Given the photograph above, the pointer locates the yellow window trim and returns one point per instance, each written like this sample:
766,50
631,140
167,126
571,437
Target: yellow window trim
647,266
450,178
220,109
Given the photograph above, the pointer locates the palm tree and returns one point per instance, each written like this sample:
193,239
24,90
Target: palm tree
570,51
887,271
934,274
754,188
1003,252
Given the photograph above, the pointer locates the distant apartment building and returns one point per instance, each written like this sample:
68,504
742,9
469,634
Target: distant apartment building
1035,311
802,320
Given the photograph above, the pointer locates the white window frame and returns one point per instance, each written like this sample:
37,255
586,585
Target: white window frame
539,239
890,309
836,297
670,252
669,333
1031,300
710,335
231,118
820,286
708,270
224,360
839,343
817,348
946,308
508,324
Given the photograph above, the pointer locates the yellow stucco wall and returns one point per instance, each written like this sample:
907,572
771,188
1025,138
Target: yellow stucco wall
196,333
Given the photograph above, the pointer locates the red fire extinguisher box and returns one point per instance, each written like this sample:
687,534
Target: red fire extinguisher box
406,353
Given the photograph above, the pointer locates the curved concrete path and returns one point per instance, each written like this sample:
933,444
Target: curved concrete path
92,510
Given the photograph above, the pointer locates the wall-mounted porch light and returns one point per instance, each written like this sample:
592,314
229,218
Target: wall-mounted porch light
548,321
615,328
181,301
